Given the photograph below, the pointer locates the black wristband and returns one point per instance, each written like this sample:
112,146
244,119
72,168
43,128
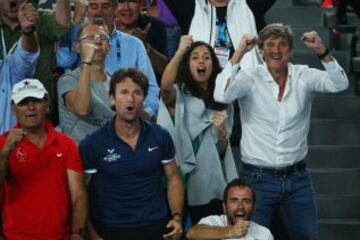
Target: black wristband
87,63
323,55
29,32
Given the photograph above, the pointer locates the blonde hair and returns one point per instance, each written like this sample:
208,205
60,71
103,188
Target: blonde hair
276,30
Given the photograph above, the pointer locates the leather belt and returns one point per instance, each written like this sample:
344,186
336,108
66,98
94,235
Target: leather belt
277,171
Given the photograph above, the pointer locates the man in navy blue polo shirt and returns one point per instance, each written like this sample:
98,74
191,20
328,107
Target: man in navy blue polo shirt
126,159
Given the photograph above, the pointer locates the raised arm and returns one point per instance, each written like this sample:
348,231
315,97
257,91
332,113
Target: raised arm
80,11
168,92
62,12
313,41
28,18
158,60
78,100
227,86
334,79
247,43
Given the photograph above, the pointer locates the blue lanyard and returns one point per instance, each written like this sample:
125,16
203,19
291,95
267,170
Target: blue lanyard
3,45
118,50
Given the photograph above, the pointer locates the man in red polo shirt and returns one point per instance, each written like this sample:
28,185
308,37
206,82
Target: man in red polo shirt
41,176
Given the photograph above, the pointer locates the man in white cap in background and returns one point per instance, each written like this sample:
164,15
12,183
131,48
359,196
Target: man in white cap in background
41,176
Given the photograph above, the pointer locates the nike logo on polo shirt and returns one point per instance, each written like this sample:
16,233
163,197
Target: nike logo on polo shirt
21,154
59,155
150,149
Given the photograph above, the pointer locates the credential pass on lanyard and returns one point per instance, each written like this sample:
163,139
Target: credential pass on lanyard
3,45
223,55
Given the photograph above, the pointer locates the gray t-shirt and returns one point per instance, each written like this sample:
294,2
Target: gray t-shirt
74,125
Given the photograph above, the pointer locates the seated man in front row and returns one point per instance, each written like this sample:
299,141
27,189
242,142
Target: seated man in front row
239,204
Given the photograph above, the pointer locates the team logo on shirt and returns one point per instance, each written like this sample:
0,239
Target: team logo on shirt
112,156
21,155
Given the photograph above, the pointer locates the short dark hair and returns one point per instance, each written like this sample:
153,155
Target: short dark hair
136,76
276,30
239,182
95,21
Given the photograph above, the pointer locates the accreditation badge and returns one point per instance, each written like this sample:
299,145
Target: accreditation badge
223,55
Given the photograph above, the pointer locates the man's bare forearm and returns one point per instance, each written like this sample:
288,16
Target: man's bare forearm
62,12
158,60
202,232
80,207
30,42
176,194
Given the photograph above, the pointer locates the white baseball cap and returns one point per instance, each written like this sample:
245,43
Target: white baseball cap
28,88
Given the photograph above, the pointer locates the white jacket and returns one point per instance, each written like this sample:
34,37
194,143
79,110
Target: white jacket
206,176
240,20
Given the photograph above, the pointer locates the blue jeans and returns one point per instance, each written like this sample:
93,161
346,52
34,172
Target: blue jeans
293,195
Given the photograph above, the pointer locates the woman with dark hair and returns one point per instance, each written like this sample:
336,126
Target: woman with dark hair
200,127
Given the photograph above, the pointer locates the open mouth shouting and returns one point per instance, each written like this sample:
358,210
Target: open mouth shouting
201,70
240,215
12,8
13,4
130,109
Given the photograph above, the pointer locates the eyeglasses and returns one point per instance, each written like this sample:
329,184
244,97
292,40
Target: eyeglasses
92,37
130,3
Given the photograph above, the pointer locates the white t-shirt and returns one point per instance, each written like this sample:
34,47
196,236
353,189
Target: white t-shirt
256,231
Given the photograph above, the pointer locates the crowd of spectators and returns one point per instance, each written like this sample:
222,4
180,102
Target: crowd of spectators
117,118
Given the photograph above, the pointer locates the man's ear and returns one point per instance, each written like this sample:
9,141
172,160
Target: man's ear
47,102
261,53
224,207
112,102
